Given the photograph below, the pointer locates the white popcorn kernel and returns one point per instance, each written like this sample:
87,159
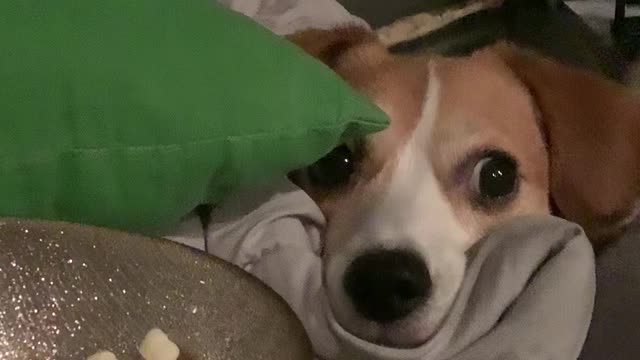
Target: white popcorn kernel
157,346
102,355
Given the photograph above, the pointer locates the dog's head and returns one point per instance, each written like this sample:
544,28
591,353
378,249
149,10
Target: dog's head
472,142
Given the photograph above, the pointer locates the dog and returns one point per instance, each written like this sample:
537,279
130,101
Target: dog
473,142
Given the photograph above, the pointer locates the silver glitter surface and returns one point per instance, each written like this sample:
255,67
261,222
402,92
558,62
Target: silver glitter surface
68,291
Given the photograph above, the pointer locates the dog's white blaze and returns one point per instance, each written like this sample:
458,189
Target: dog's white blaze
416,214
411,213
413,207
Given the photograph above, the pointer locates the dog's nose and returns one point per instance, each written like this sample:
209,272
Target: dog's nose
387,285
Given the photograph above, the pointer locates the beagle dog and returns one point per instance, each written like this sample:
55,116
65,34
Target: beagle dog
473,141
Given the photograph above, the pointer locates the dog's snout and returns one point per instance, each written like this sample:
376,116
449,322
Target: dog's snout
387,285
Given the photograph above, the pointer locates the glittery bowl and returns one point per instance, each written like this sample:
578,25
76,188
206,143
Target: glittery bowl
68,291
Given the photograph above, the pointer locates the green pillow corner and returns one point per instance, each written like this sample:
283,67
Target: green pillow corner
128,114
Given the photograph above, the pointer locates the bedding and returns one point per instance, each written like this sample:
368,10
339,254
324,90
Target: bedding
284,17
415,26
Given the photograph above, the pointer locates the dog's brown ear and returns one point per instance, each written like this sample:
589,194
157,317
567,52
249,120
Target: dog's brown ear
592,128
329,46
349,51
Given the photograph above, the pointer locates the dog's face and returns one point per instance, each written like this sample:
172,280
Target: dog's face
464,152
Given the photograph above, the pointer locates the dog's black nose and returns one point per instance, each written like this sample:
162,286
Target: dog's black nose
387,285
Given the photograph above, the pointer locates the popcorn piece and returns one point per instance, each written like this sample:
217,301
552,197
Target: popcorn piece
102,355
157,346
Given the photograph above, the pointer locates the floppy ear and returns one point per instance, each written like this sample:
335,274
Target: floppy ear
329,46
592,129
350,51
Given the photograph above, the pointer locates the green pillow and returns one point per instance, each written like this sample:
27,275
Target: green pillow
129,113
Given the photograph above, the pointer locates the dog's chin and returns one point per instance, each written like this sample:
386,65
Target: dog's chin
411,332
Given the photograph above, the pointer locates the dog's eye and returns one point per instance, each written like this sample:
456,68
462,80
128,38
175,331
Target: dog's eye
494,177
333,170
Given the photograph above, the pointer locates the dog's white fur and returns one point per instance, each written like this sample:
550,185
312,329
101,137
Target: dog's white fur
396,219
